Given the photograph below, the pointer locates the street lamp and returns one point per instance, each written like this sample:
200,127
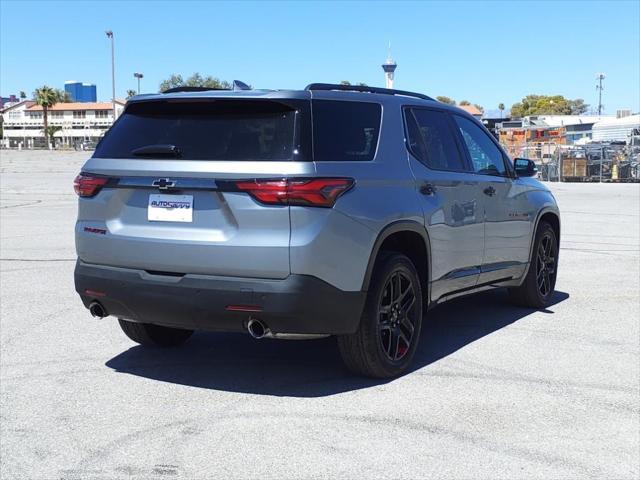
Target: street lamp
138,76
109,34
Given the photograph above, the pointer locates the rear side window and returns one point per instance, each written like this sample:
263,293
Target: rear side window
345,131
214,130
431,140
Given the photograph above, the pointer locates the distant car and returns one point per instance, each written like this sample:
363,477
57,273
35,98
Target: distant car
335,210
86,145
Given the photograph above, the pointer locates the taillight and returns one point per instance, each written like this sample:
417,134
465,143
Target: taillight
316,192
87,185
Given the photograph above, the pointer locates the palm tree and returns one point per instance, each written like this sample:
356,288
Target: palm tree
501,108
131,93
23,95
46,97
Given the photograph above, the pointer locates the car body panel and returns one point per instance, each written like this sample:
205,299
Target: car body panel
454,221
231,234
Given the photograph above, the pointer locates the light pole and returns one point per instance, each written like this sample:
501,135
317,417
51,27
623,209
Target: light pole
138,76
600,77
109,34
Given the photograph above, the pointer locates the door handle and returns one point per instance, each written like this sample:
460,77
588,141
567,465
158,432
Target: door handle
490,191
427,189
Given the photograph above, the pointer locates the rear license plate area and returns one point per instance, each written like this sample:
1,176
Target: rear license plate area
170,208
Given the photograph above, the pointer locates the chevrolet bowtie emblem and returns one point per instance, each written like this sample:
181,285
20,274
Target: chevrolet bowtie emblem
164,184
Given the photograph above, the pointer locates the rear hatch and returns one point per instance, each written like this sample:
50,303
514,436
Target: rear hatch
174,185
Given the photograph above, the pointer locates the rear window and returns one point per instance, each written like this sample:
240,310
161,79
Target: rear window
215,130
345,131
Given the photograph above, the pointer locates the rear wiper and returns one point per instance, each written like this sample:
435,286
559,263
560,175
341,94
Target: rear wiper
164,150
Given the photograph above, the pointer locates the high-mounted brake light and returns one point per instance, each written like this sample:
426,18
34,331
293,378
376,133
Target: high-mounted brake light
88,185
316,192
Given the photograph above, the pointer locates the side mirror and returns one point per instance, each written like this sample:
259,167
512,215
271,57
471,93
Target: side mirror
525,167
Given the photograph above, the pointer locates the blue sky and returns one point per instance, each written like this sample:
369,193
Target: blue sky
485,52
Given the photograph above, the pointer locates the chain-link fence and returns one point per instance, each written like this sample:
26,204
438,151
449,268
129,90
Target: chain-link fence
593,162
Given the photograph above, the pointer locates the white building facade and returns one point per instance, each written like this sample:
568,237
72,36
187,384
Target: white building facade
617,129
77,124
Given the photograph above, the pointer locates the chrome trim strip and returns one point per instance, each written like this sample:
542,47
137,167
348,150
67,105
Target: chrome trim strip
176,183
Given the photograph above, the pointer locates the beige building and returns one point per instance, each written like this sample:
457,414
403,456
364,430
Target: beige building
80,124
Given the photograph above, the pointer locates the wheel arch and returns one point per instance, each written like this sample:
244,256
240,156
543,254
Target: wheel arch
407,237
551,218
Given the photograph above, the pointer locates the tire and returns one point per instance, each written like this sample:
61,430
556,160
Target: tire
388,335
537,289
154,335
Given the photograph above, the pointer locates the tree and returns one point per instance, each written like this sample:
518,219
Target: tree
195,80
131,93
464,103
447,100
46,97
51,130
65,97
501,108
171,82
347,82
548,105
23,95
578,107
479,107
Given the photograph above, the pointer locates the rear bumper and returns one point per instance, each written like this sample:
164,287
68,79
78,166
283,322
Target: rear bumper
296,304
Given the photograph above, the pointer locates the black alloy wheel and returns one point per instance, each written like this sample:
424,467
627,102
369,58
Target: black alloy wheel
538,286
396,316
389,332
546,264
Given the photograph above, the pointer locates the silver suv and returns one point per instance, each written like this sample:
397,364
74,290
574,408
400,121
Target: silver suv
335,210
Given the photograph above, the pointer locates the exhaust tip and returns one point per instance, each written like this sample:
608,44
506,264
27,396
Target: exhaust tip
97,310
256,328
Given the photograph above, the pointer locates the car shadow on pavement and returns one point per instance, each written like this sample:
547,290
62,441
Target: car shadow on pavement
311,368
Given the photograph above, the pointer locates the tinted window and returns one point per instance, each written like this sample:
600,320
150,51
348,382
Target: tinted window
345,131
218,130
486,157
431,140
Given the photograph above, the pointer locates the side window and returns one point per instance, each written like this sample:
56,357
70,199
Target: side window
431,140
486,157
345,131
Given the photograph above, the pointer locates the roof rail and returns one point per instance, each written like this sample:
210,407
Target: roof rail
364,88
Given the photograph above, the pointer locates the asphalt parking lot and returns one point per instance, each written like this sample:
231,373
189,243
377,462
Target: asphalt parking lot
497,391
